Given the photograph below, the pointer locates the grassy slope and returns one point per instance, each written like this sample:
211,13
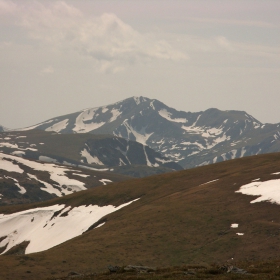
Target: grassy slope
177,221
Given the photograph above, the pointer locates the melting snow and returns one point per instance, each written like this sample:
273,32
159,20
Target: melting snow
267,191
234,226
100,225
47,159
57,173
233,154
209,182
105,181
45,231
9,145
141,136
57,127
8,165
18,153
239,233
48,187
167,115
115,114
104,110
90,159
81,175
243,151
87,115
22,190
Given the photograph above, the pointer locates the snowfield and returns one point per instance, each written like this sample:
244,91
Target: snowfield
47,227
57,174
266,191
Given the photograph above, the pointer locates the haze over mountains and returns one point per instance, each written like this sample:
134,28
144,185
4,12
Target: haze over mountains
189,139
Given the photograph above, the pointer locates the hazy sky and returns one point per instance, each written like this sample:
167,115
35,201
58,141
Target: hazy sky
59,57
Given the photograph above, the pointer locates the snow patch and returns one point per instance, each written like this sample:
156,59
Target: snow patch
18,153
81,175
167,115
9,165
87,115
57,173
105,181
57,127
22,190
90,159
234,226
48,187
45,231
115,114
140,136
268,191
47,159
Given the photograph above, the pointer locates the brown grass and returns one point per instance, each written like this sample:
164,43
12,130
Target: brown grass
177,222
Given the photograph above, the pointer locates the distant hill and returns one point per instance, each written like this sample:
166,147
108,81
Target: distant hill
25,181
96,152
189,139
219,213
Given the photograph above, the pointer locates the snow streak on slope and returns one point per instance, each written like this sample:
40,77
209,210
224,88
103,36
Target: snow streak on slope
82,127
90,159
167,115
22,190
45,230
57,127
140,136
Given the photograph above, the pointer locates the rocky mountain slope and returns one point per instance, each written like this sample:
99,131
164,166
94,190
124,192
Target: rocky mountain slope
24,181
217,213
190,139
96,152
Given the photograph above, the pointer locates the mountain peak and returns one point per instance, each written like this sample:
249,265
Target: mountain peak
190,139
2,128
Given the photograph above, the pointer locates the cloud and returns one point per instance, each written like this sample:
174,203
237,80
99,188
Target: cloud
224,43
7,7
47,70
107,40
233,22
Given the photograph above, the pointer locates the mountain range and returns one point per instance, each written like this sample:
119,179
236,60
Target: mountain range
66,200
189,139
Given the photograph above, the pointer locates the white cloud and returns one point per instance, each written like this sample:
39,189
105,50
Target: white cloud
107,40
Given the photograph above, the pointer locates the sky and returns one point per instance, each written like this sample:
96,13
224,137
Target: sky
59,57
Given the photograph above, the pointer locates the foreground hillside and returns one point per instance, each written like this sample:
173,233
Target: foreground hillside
200,216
